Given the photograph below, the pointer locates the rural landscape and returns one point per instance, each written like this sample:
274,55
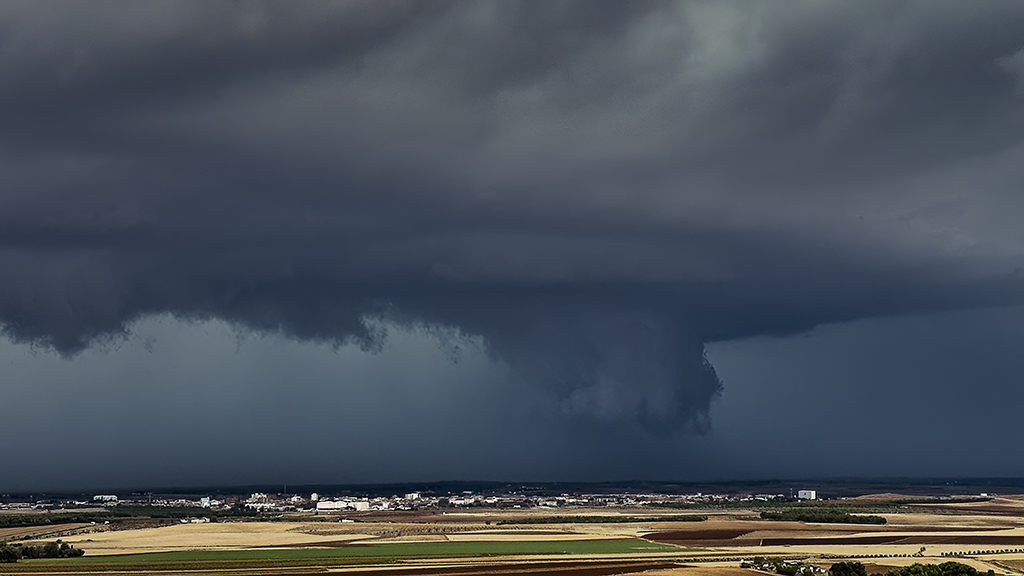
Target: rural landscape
511,287
470,533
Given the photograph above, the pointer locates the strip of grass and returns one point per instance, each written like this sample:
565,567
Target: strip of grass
398,550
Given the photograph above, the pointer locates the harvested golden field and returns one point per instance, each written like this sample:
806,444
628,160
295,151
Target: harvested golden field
574,543
702,571
204,537
388,529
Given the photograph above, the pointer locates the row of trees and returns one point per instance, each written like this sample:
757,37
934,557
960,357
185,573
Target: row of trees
944,569
12,553
792,568
113,514
822,515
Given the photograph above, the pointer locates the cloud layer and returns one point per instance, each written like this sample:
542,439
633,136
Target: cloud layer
595,190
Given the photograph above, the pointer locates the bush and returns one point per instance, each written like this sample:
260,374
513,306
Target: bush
848,569
56,549
8,554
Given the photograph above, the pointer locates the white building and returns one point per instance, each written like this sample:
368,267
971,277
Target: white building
807,495
329,506
335,505
104,498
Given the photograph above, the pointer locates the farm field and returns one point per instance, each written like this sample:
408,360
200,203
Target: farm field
29,532
495,542
224,536
405,550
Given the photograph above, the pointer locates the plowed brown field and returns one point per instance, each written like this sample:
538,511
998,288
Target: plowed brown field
29,532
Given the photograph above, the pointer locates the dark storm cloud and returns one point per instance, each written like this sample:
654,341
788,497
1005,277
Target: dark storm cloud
595,189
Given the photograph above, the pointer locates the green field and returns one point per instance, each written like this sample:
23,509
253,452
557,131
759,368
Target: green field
392,550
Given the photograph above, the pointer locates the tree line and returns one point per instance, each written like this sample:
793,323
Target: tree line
944,569
852,568
822,515
14,552
121,512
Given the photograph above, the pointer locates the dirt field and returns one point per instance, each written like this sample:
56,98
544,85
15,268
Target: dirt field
958,532
916,529
1005,505
30,532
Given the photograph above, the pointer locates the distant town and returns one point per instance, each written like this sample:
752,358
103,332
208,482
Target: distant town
316,503
810,528
444,496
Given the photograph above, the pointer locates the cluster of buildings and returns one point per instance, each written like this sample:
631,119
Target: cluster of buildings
110,500
793,567
419,501
321,504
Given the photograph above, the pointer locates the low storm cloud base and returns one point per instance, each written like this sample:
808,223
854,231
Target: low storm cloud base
596,191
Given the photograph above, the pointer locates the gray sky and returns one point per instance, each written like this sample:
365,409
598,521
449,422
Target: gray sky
400,241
